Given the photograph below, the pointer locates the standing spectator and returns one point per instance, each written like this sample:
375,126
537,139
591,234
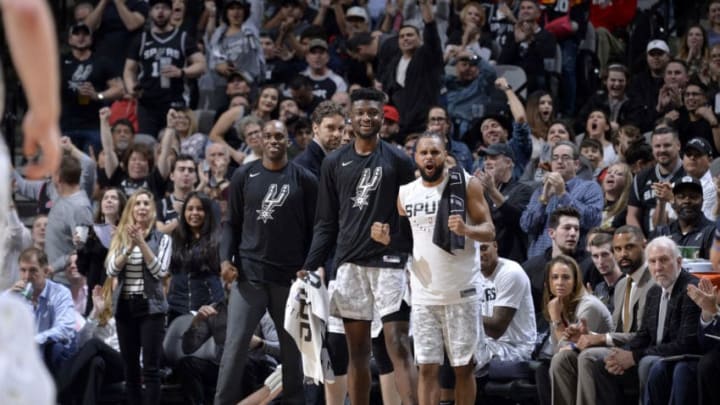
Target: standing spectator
414,78
507,198
235,44
561,187
271,209
16,239
157,63
92,254
325,81
655,181
195,254
116,24
138,256
87,83
356,184
70,210
616,191
530,47
184,176
645,86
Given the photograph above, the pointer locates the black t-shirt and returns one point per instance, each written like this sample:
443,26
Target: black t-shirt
269,221
80,112
356,191
152,50
112,38
642,195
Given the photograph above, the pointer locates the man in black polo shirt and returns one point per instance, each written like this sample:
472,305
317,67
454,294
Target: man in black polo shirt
266,236
691,228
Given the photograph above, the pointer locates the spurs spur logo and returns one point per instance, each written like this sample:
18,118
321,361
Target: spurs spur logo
369,182
272,200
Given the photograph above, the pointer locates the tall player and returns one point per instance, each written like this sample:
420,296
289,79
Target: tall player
30,33
356,183
448,213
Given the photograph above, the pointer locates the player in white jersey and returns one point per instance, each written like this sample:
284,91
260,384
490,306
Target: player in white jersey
508,313
445,279
30,34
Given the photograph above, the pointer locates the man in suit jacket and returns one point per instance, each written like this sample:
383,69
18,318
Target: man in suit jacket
570,370
707,371
328,124
669,326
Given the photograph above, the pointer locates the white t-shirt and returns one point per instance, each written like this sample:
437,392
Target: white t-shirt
402,70
437,277
509,287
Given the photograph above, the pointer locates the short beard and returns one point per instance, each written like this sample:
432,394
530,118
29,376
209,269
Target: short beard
439,171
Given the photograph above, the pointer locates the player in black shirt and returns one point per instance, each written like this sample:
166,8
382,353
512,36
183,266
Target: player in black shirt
266,236
358,186
164,56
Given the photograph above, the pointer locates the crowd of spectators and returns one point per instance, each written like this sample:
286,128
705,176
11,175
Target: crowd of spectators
596,164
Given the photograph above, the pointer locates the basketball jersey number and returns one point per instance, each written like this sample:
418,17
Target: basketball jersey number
155,69
562,6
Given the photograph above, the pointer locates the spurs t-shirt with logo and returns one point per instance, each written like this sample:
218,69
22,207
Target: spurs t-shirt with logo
270,221
355,191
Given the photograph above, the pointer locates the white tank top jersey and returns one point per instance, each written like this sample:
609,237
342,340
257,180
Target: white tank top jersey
437,277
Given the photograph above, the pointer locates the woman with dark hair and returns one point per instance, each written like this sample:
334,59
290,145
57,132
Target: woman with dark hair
91,255
694,49
139,255
540,111
559,130
195,265
267,102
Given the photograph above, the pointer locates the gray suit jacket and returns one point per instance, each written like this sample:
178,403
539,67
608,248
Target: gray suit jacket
637,304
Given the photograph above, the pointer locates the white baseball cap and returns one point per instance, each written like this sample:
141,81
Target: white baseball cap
658,44
357,12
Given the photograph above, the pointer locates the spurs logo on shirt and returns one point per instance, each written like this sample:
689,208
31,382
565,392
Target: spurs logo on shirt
369,182
272,200
81,74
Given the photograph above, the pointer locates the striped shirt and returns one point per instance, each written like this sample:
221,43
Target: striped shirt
133,268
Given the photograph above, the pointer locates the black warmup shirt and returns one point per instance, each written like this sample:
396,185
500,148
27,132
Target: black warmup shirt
356,191
270,221
643,196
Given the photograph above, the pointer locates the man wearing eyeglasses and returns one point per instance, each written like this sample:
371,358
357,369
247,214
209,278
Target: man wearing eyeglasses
696,117
561,187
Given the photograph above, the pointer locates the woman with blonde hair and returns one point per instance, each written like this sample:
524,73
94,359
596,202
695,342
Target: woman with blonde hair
469,35
616,190
139,256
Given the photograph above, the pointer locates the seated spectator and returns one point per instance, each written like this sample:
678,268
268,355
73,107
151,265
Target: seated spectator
620,109
616,192
183,176
236,133
626,136
592,150
390,129
696,118
77,285
301,90
691,228
324,80
639,156
564,231
266,104
540,114
508,315
694,49
199,376
70,210
136,170
706,297
189,141
537,168
675,79
697,157
471,92
599,127
301,132
97,363
53,308
495,128
91,254
507,198
438,121
470,35
601,252
566,303
561,187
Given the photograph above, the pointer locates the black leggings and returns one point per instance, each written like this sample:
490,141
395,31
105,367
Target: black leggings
138,331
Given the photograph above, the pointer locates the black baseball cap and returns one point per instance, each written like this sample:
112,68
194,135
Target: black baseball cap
499,149
701,145
81,26
688,183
